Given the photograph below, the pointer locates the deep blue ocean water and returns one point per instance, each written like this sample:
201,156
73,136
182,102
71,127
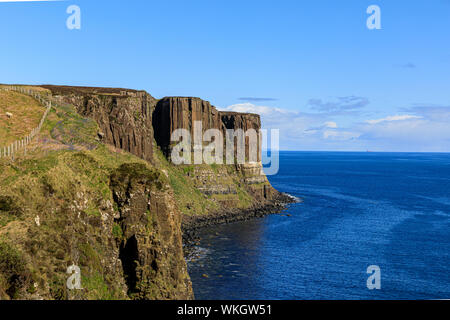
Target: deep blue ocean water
358,209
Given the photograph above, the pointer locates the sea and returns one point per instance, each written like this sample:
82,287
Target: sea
369,226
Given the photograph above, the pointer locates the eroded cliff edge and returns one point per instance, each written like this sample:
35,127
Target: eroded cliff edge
98,190
138,123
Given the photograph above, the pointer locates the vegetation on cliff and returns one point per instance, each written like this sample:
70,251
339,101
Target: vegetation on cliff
97,191
59,206
19,114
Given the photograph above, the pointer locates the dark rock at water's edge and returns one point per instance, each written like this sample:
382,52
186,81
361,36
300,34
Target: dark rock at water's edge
191,225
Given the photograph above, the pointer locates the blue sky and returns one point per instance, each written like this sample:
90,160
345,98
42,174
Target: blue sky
310,68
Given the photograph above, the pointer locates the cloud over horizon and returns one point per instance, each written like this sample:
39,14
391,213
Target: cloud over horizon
393,118
421,128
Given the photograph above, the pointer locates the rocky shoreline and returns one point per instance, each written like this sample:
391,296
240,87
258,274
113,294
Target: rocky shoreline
192,224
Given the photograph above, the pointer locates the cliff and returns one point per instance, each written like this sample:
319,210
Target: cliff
98,190
74,200
138,123
226,186
124,116
173,113
180,113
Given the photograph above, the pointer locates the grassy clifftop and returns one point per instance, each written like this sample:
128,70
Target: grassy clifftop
26,114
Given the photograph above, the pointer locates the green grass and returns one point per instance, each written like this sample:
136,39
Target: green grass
51,183
193,202
188,198
117,232
72,129
98,288
27,112
13,273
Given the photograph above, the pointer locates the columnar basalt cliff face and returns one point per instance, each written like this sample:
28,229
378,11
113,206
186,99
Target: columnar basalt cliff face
124,116
244,121
247,122
173,113
131,120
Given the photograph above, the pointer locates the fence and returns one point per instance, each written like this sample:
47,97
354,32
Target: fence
18,145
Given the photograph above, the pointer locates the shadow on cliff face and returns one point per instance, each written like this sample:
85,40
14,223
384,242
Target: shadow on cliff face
129,255
161,125
149,234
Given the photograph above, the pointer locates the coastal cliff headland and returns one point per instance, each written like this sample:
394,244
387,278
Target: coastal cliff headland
97,190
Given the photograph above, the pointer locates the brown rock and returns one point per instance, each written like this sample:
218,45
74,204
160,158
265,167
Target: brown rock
151,251
173,113
124,116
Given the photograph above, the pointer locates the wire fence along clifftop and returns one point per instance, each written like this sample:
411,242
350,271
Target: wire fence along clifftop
21,144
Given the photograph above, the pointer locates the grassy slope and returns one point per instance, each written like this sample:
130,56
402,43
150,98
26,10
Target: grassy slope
68,167
190,200
27,113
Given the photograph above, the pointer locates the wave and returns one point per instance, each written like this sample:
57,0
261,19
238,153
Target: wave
294,198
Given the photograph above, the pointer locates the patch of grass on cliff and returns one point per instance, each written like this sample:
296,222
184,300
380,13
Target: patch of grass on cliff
224,175
72,129
98,289
185,178
188,198
241,199
9,210
139,172
26,111
67,191
117,232
13,271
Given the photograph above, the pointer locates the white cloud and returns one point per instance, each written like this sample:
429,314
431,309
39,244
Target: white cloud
412,133
394,118
298,130
331,124
251,108
340,135
415,131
